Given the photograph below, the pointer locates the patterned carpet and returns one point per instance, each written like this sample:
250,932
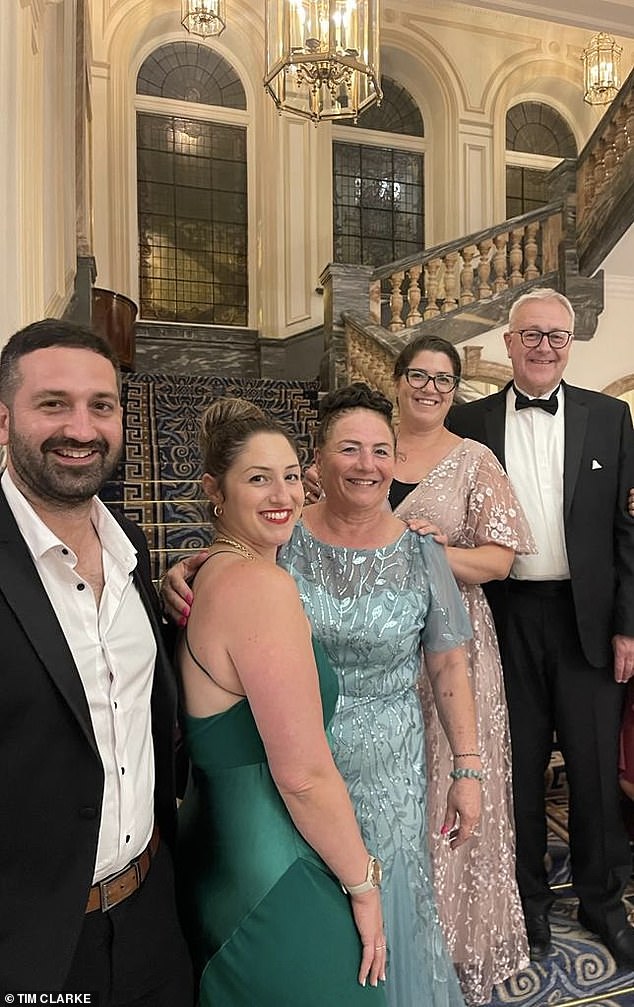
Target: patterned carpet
580,971
157,484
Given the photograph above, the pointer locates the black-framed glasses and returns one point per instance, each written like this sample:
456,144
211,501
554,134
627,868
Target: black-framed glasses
418,378
557,338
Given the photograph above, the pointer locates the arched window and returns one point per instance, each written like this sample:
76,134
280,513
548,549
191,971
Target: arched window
378,183
537,138
191,189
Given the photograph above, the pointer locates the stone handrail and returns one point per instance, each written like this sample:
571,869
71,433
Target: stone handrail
467,270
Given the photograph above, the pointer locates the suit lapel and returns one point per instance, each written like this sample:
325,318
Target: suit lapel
576,420
21,585
495,424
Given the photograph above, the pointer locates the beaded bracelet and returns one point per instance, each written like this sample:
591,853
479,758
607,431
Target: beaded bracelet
466,755
466,774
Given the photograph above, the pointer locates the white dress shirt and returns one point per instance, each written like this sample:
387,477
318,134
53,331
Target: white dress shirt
534,452
114,649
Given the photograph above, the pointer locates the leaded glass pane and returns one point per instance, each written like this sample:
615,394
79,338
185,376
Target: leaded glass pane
536,128
189,71
378,212
397,113
192,198
526,190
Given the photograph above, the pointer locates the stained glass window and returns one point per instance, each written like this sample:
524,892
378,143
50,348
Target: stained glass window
189,71
378,191
537,129
192,204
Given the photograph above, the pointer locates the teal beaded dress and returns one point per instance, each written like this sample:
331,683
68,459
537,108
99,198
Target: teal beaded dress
371,609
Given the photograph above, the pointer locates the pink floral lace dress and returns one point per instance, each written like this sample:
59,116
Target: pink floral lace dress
469,497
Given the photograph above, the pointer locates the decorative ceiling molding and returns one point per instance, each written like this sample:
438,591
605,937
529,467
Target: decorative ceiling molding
596,15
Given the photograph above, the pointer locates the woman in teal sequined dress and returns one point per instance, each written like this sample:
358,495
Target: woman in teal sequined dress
267,833
374,592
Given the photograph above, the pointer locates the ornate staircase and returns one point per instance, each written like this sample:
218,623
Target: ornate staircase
464,287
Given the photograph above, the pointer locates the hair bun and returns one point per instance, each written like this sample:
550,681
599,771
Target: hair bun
226,411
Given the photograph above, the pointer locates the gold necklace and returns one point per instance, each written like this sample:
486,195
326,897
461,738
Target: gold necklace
225,540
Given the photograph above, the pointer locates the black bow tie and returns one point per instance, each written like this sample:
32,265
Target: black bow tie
550,405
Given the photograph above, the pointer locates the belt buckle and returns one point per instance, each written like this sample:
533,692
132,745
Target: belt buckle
106,902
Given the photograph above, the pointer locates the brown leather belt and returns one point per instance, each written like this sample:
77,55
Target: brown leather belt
115,889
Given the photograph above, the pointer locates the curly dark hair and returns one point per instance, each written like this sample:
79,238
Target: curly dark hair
435,344
344,400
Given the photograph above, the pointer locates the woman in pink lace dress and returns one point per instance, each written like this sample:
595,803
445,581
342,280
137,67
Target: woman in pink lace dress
460,490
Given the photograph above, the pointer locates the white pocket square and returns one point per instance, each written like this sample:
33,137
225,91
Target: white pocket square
596,464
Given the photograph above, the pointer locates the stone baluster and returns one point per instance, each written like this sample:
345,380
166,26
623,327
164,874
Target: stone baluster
620,140
384,372
531,249
588,185
433,280
609,160
484,269
499,263
466,275
599,167
515,257
375,301
414,294
369,361
396,302
450,302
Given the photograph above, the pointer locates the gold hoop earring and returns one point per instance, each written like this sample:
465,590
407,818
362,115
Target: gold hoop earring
217,510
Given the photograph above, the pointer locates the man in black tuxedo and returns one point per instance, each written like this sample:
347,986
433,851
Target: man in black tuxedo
88,700
565,617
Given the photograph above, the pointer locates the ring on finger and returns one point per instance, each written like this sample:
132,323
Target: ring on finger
379,947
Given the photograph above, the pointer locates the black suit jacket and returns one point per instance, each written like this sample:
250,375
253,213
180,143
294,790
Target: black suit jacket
599,531
51,781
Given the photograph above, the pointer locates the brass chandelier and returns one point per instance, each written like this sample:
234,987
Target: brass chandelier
204,17
601,69
322,56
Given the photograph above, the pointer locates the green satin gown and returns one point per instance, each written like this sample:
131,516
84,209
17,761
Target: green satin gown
267,922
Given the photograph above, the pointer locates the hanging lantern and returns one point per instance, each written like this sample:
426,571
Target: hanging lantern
601,69
322,56
204,17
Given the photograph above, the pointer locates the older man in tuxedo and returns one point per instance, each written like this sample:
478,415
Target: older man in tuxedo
565,617
87,798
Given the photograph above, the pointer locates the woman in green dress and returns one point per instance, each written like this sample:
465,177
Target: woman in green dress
268,837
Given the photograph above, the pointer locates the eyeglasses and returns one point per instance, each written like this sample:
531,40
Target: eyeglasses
420,379
557,338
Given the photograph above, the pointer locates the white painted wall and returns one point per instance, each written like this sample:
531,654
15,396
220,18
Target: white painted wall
37,160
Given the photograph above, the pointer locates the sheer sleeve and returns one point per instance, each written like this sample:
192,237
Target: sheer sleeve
494,515
447,624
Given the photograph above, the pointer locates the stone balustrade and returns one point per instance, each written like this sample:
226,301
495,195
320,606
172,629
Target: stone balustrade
472,269
605,181
605,150
464,287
